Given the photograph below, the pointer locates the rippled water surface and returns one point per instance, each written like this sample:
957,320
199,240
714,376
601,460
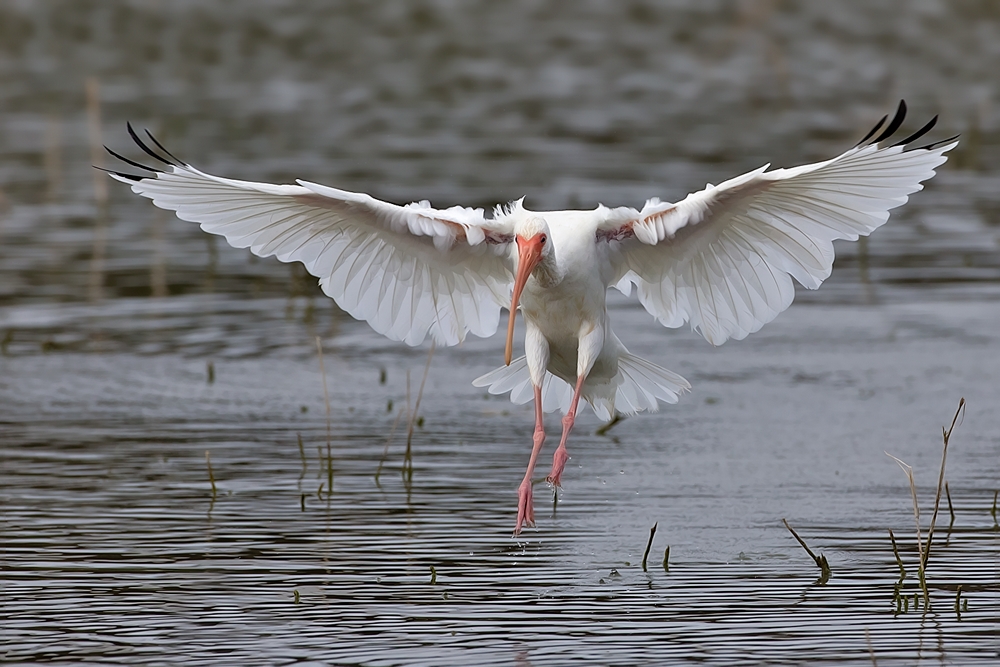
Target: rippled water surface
134,345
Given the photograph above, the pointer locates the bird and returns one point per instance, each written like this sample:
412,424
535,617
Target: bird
721,260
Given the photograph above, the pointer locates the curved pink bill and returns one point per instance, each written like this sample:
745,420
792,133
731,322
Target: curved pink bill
529,253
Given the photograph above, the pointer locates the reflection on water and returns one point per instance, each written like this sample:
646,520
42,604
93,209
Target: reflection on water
113,549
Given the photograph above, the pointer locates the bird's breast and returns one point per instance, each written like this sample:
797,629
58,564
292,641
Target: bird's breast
566,310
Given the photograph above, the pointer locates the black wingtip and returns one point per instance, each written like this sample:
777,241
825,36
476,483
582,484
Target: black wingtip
919,133
872,132
133,162
131,177
897,120
932,146
147,150
160,146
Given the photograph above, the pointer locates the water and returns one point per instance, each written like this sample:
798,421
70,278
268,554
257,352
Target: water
113,547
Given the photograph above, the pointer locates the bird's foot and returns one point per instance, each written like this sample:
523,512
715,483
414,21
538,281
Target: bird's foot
559,460
525,507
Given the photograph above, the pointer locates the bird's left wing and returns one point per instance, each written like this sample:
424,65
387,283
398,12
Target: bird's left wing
406,270
723,258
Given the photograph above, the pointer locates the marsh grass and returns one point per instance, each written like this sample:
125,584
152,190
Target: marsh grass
924,549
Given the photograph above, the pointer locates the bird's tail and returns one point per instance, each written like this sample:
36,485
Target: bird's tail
639,385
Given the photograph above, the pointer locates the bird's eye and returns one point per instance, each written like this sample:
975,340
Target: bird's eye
543,238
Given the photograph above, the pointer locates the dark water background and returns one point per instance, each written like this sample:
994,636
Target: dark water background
112,549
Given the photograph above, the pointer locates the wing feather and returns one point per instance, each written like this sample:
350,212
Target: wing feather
406,270
723,258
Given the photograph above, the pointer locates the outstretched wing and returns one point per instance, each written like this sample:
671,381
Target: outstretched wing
723,258
406,270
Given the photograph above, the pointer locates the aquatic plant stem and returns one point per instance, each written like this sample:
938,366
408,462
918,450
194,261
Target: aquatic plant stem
603,430
95,286
951,509
649,545
821,562
326,397
211,475
899,561
302,454
388,441
871,649
946,435
408,458
908,470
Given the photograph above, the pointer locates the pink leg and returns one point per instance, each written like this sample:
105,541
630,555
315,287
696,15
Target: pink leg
561,456
525,508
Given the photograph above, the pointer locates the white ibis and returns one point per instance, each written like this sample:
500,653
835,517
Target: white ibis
722,259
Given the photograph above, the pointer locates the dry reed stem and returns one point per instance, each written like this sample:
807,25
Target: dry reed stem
408,459
908,469
820,560
946,436
951,510
53,158
211,475
93,90
603,430
157,262
326,397
302,454
388,441
649,545
96,278
871,649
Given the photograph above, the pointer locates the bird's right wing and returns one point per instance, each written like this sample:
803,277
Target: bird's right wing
406,270
723,258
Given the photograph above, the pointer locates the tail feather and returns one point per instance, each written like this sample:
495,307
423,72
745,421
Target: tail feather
639,385
643,384
556,393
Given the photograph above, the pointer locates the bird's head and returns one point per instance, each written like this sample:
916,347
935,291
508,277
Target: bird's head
533,247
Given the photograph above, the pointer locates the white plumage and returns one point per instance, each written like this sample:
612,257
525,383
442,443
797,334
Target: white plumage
722,259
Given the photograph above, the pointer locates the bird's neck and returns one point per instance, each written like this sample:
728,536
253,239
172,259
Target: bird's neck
548,273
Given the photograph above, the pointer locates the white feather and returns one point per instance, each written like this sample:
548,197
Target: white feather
723,258
406,270
637,387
